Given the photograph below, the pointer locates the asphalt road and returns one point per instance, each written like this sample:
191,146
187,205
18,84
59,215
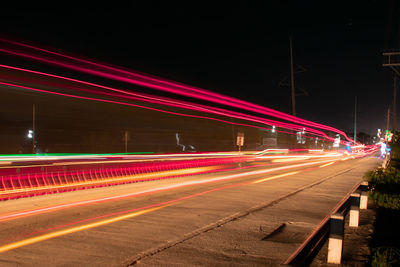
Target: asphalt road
237,218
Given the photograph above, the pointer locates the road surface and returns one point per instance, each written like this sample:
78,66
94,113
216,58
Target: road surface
238,217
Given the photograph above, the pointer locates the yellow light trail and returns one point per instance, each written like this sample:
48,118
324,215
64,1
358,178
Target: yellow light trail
275,177
330,163
289,159
44,237
67,231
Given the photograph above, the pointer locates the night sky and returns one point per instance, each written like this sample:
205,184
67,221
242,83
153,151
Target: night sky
241,50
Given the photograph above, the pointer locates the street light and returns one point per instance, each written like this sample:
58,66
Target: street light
30,134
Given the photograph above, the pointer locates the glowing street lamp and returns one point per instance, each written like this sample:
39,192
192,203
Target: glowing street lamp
30,134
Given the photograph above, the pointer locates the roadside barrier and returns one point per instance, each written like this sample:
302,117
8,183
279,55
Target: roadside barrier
332,228
33,181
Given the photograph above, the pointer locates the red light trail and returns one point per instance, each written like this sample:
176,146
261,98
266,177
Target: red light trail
158,110
173,103
150,81
32,184
218,178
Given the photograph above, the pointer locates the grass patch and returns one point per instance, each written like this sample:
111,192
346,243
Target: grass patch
385,256
385,193
385,200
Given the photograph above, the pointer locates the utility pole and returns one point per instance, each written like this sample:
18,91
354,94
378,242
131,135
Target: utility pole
33,130
292,76
126,135
355,119
391,54
388,119
394,117
392,60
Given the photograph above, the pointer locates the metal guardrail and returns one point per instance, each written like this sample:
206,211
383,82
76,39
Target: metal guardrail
306,252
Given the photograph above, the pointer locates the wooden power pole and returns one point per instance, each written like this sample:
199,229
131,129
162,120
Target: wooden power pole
292,77
394,117
355,119
388,119
33,130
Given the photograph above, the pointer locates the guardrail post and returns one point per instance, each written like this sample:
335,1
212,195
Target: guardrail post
364,196
354,209
335,245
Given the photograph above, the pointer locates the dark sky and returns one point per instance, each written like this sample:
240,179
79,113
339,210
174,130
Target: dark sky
241,50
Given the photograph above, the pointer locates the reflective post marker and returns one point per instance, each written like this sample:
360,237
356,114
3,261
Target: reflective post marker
364,195
335,245
354,209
